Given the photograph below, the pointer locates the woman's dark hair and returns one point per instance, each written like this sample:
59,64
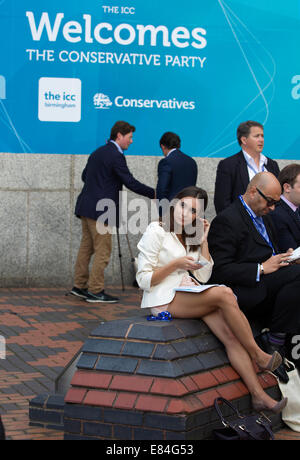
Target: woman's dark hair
188,192
193,192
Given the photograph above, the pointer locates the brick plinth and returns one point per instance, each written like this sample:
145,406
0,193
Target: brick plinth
139,380
47,411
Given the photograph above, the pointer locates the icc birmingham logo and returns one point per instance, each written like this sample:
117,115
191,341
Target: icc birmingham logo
101,101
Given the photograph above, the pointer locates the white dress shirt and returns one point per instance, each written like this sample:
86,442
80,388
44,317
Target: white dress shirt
251,165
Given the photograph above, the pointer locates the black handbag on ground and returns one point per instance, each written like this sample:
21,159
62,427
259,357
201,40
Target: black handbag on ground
2,430
242,427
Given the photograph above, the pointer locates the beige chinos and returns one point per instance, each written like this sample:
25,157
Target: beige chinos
94,244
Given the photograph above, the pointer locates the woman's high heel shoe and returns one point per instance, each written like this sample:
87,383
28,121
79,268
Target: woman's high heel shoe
273,364
260,406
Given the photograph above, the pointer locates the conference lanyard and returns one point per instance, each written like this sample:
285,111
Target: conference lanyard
253,169
267,240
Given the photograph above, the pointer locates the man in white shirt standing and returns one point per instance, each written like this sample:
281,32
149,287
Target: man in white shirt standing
235,172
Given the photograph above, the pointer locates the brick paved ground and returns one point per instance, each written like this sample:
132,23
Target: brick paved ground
44,329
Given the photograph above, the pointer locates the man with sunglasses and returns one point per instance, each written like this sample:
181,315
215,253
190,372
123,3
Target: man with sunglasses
243,244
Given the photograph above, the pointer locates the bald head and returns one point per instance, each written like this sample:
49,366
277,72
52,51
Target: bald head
265,181
263,189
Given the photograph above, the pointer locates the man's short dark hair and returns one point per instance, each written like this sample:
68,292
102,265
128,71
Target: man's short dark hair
244,129
121,127
289,174
170,140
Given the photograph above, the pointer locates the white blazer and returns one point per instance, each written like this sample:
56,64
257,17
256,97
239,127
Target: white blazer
156,249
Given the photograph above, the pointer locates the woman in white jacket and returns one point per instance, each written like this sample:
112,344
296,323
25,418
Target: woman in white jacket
175,254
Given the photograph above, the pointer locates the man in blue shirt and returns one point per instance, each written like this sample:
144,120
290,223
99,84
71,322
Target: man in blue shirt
105,174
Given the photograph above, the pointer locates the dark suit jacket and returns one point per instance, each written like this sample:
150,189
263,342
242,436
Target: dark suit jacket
105,174
175,172
237,248
287,225
232,179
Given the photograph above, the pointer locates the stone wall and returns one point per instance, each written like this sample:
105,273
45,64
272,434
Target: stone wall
40,235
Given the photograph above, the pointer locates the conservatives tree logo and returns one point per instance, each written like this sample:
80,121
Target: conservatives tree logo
101,101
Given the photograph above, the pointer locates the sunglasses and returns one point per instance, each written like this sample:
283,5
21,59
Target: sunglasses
270,201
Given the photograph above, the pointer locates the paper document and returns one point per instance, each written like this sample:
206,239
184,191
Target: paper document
196,288
295,255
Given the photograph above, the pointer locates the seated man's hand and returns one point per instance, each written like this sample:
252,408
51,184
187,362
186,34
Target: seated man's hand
275,262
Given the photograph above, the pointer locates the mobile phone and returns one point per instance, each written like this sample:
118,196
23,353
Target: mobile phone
201,262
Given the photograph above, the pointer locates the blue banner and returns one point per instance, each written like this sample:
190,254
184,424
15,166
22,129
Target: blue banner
69,70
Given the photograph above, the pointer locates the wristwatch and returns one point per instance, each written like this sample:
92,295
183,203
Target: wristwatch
261,269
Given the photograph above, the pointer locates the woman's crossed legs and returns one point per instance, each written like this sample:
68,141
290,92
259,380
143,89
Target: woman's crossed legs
218,308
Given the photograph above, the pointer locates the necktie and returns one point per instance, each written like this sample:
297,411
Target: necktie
297,212
259,223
